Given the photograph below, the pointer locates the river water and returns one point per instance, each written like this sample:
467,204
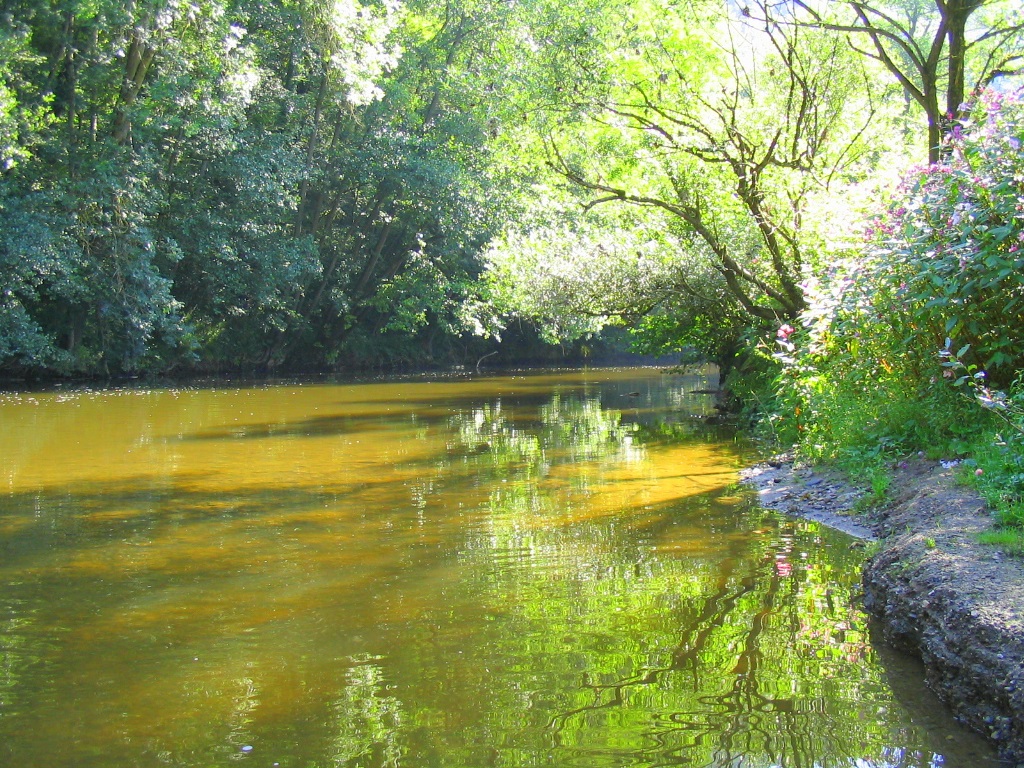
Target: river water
533,570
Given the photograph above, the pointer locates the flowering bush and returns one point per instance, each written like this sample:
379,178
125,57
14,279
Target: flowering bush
944,260
949,251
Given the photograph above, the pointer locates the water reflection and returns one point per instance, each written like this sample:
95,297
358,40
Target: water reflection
519,571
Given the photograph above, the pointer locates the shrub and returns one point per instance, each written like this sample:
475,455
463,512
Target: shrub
943,260
947,258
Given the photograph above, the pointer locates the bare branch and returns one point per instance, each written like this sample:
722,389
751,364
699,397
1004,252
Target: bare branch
692,214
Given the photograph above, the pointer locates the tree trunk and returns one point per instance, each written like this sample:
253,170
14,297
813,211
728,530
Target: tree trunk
959,12
71,67
310,153
137,63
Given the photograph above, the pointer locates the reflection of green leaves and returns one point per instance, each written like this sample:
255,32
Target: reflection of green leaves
446,584
571,430
741,652
598,643
16,653
369,722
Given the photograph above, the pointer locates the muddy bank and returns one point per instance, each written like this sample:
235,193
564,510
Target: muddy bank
936,592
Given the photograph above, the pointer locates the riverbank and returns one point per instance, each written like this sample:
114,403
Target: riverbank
935,591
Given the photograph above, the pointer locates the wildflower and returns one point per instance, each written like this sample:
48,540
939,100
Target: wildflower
785,331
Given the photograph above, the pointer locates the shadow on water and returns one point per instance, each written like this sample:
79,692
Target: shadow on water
561,575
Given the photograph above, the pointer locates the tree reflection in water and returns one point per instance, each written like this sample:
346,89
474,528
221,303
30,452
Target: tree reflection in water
517,571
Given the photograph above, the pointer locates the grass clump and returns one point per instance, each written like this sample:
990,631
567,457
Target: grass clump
1009,540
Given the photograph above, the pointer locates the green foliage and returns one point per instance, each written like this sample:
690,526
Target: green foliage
36,266
573,274
895,337
215,185
936,51
997,464
685,173
233,185
951,249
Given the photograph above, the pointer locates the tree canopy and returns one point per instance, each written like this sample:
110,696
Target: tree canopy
328,184
939,51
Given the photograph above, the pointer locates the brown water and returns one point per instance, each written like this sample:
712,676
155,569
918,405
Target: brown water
540,570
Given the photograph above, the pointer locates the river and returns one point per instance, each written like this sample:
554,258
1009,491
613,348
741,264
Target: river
548,569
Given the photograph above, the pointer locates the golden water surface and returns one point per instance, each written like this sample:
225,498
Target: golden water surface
531,570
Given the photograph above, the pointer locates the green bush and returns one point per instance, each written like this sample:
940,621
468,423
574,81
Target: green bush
870,376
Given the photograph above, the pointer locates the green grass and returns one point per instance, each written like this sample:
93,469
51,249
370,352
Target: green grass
865,426
995,470
1009,540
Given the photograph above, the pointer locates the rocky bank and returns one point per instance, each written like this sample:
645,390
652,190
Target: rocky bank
936,591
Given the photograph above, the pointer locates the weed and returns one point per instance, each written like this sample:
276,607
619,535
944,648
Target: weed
1009,540
872,548
867,379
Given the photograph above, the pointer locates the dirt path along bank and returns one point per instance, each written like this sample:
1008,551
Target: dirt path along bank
935,591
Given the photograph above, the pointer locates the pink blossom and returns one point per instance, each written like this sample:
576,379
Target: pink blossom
785,331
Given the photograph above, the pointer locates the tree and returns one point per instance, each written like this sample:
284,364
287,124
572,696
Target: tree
79,192
721,147
396,202
934,49
233,184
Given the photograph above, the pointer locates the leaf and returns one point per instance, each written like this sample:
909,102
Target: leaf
1001,233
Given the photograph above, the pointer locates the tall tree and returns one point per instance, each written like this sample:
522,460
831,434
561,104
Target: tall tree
939,51
246,184
729,139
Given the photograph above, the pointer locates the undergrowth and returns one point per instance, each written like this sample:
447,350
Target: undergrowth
913,341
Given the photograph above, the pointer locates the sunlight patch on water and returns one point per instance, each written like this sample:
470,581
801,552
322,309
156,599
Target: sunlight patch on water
508,571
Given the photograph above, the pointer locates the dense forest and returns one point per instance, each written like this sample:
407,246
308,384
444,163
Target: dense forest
334,185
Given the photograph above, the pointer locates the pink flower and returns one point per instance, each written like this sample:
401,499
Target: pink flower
979,472
785,331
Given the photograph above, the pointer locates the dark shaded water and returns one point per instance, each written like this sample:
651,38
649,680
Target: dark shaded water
542,570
